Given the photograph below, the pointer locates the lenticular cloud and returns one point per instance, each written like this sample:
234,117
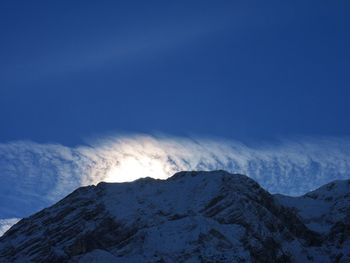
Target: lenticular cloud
35,175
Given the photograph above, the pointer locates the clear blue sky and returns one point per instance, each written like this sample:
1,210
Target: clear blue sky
246,70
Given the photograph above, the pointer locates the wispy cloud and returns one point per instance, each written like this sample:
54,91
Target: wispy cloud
36,175
121,46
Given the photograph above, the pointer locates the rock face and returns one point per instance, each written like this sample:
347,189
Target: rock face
191,217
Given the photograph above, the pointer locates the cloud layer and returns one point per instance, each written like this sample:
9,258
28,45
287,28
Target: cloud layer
36,175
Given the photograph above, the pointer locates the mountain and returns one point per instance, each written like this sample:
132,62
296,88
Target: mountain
190,217
5,224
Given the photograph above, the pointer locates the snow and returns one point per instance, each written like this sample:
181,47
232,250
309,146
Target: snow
147,196
323,207
5,224
191,217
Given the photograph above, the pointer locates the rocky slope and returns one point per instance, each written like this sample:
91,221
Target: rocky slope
191,217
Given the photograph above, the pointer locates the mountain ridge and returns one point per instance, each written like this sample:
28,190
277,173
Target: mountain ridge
191,217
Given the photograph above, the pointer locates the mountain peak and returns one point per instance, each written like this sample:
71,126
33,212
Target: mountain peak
194,216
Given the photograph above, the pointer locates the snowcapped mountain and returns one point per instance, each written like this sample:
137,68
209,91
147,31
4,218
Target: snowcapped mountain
190,217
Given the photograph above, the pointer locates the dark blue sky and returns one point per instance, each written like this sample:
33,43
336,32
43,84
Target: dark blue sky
238,69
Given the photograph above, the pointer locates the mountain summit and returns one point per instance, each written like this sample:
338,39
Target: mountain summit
191,217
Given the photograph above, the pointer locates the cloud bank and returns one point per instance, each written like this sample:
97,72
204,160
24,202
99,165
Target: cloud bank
35,175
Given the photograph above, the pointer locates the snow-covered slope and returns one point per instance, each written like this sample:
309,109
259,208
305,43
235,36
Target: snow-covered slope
5,224
326,211
191,217
322,208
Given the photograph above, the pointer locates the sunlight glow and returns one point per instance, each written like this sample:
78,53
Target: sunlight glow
132,168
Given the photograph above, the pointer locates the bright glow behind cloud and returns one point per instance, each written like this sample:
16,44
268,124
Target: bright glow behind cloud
36,175
132,168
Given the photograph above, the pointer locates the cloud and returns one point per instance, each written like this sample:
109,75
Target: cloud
128,44
35,175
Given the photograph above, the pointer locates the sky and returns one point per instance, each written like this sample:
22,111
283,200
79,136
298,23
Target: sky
240,70
112,91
